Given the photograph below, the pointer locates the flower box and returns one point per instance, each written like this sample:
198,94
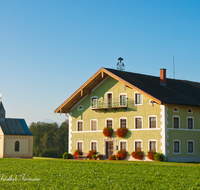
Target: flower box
76,153
122,154
91,154
151,155
138,154
121,132
107,132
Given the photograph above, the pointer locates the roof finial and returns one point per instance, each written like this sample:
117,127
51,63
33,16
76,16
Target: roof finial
120,65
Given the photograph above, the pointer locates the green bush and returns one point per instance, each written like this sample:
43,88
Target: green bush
52,153
159,157
66,155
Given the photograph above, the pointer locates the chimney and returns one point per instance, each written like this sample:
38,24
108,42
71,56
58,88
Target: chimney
163,77
0,97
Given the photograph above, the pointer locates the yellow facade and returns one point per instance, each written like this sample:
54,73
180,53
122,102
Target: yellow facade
145,110
7,144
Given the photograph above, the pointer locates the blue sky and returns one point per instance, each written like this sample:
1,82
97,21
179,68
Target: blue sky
48,49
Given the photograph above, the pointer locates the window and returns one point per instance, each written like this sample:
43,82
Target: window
80,146
176,122
189,110
109,99
94,101
17,146
152,146
176,109
190,123
93,125
138,123
122,123
176,147
94,146
80,107
123,100
138,145
190,147
152,122
122,145
109,123
138,98
80,125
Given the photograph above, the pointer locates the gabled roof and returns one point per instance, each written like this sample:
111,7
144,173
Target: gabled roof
14,127
179,92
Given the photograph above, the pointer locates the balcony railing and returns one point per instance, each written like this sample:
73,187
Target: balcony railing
110,104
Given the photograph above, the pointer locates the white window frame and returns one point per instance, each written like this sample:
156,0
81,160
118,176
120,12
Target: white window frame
106,94
125,95
91,124
91,144
192,122
96,97
188,147
77,126
141,144
135,98
80,108
149,144
190,109
149,121
125,142
106,122
173,121
126,121
82,145
179,147
174,108
135,122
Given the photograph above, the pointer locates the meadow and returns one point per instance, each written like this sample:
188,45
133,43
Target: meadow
70,174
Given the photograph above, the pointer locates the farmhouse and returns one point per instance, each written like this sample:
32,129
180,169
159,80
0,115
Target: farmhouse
161,114
16,141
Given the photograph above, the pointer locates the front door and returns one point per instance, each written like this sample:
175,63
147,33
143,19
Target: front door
109,148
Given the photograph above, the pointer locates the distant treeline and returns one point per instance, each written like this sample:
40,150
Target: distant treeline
49,140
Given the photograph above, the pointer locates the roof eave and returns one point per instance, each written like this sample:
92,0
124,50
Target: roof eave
101,70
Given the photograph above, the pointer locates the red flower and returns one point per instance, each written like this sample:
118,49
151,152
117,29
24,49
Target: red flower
76,153
122,154
151,155
112,157
138,154
91,153
121,132
108,132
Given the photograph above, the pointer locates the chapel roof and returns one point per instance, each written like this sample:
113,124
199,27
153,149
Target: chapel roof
14,126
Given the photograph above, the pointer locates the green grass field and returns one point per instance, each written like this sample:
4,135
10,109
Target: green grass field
68,174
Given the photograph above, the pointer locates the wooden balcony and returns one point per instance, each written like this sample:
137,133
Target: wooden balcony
109,104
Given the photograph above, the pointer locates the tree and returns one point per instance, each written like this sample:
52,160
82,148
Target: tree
49,136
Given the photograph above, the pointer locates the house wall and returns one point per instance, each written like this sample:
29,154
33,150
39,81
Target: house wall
183,134
25,146
145,110
1,143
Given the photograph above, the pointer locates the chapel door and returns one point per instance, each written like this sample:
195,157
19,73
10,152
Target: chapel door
109,148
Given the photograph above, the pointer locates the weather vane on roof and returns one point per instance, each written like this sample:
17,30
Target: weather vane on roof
120,65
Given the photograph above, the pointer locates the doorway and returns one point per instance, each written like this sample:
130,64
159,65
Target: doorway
109,99
109,148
